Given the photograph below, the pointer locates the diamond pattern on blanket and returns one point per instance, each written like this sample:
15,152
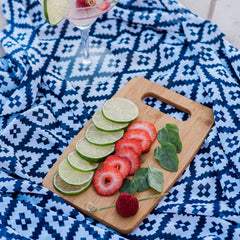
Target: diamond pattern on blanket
22,220
41,112
181,226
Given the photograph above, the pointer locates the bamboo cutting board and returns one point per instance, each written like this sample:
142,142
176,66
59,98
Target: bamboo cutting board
192,133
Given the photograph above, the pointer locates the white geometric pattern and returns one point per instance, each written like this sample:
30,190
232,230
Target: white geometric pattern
40,113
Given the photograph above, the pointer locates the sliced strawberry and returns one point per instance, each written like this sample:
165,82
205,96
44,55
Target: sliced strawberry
120,163
144,125
134,144
104,5
85,3
140,135
127,205
107,180
132,157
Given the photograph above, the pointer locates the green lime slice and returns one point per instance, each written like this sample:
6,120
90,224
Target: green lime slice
92,152
104,124
55,10
120,110
72,176
68,189
79,163
99,137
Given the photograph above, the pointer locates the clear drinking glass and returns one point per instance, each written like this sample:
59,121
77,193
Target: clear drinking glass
83,18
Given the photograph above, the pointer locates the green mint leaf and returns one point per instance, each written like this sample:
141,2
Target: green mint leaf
155,178
170,133
167,156
141,176
129,186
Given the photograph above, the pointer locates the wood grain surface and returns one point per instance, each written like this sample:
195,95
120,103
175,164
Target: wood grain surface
193,131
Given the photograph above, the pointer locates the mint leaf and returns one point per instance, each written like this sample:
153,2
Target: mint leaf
167,156
170,133
155,178
141,176
144,178
129,186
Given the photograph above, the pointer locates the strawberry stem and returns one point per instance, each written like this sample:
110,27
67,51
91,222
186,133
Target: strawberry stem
90,207
154,196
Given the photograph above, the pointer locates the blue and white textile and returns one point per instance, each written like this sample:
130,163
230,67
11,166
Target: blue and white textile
40,113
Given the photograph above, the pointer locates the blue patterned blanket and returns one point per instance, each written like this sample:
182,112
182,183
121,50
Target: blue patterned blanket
40,113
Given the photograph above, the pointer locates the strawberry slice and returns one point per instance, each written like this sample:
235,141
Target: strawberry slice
144,125
85,3
132,156
142,136
120,163
134,144
107,180
104,5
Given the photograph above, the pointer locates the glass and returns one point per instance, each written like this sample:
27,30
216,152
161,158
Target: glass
90,57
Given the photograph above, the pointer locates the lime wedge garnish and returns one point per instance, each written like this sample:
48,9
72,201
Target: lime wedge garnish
68,189
79,163
72,176
92,152
104,124
99,137
55,10
120,110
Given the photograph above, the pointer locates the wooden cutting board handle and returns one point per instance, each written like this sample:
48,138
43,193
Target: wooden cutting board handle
140,88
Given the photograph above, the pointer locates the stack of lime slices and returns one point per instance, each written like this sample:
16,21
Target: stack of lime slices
107,128
75,173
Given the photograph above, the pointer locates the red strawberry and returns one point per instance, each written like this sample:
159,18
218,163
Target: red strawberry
127,205
134,144
104,5
132,157
107,180
144,125
140,135
85,3
120,163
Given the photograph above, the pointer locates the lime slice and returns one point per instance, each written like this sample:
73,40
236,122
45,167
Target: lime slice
68,189
92,152
104,124
99,137
79,163
120,110
72,176
55,10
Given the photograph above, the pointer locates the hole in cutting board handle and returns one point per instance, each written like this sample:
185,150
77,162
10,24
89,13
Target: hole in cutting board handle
168,109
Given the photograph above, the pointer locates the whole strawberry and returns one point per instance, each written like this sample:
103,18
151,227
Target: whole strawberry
127,205
85,3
